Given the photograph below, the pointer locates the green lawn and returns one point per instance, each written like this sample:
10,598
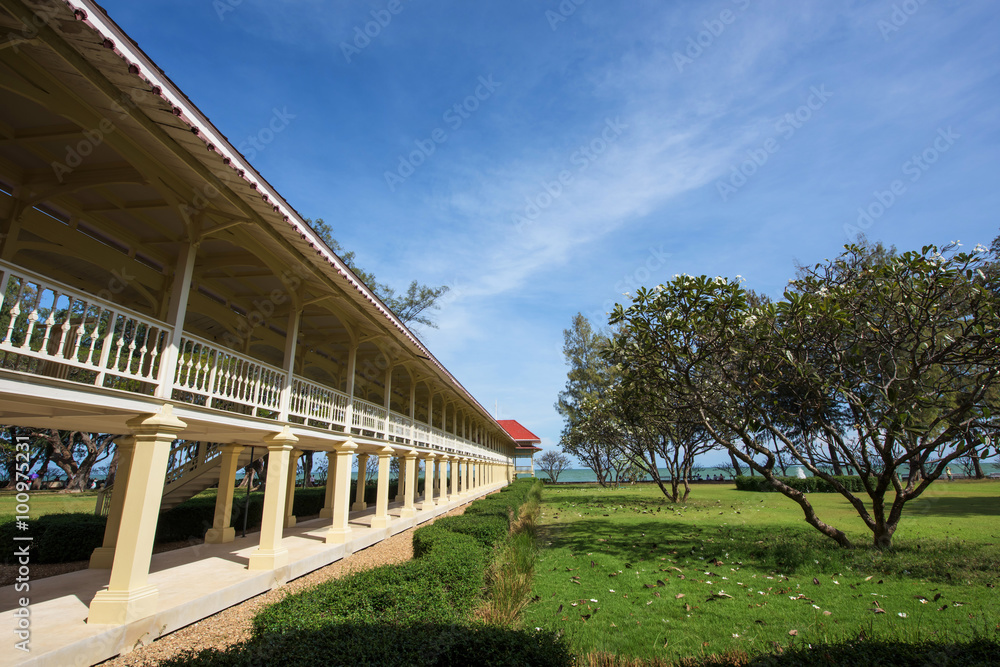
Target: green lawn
625,572
48,502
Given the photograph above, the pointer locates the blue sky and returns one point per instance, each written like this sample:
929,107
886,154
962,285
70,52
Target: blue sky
541,158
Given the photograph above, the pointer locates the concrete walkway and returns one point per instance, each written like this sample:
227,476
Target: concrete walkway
193,582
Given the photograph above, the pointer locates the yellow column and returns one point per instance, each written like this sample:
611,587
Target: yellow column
221,532
465,477
443,481
331,475
129,596
341,529
293,470
428,503
270,554
410,464
381,518
359,496
104,555
454,479
401,480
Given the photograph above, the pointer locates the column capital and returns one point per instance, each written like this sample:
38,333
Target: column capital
163,421
410,454
386,451
284,439
345,446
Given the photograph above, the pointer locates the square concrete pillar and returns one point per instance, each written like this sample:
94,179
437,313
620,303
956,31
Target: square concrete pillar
359,496
382,518
340,529
331,476
428,503
443,481
104,555
410,464
221,532
293,471
454,479
400,480
270,554
129,597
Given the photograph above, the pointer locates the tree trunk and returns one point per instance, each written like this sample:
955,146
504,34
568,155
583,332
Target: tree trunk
834,459
736,464
810,513
883,536
307,466
975,457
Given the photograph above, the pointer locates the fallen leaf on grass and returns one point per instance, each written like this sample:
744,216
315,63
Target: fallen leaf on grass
793,633
678,596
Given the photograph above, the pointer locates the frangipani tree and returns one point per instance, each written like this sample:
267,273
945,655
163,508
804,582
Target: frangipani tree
905,347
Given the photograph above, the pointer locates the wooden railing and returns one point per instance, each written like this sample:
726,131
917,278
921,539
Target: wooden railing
50,329
318,405
217,377
369,417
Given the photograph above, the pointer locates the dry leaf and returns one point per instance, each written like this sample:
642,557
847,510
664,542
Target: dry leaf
793,633
678,596
827,613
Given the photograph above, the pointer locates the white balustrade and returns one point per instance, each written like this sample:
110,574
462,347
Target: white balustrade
369,416
316,402
43,320
421,433
399,426
222,377
49,328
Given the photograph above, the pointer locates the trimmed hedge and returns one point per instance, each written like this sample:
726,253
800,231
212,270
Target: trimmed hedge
415,613
806,485
57,538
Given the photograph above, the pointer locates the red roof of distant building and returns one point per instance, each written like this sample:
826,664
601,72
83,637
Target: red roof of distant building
525,438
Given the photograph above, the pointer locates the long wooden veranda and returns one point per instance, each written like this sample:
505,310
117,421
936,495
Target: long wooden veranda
155,286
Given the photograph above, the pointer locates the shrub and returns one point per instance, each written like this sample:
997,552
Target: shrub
57,538
488,529
806,484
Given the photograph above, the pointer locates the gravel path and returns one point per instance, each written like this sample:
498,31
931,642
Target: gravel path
232,625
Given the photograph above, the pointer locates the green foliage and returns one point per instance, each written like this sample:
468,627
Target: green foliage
194,516
411,307
487,529
807,484
416,613
410,645
57,538
881,360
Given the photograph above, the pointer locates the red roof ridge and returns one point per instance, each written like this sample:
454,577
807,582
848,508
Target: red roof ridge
517,431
